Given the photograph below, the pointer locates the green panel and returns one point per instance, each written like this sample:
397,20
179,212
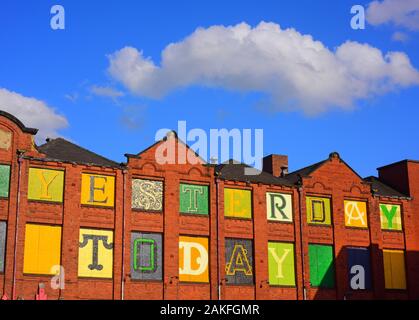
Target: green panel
281,264
312,253
193,199
322,273
4,180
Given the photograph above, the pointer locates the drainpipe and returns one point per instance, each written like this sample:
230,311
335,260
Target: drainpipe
19,163
218,241
124,172
300,200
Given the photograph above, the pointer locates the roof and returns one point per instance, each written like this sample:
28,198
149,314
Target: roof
397,163
235,171
63,150
170,133
294,177
381,189
18,122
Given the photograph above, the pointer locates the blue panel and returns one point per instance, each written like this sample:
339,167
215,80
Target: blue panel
3,228
359,257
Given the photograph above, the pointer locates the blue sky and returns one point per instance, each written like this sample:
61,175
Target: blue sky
68,71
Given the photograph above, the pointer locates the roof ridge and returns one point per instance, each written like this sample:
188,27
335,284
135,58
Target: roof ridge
85,149
47,148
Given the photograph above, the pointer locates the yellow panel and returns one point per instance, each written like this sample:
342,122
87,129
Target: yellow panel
394,269
387,269
398,270
193,259
97,190
45,185
42,249
237,203
318,210
95,253
356,214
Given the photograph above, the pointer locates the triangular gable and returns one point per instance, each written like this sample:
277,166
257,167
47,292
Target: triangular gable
172,149
334,156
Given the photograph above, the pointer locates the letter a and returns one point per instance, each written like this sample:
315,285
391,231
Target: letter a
358,280
358,20
58,20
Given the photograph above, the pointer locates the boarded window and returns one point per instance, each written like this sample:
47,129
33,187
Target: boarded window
281,264
193,199
97,190
322,272
391,218
42,249
359,268
279,207
3,228
394,269
238,203
147,195
318,210
45,185
4,180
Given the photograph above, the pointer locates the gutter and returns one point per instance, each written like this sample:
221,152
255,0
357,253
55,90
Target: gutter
19,162
300,189
218,240
123,236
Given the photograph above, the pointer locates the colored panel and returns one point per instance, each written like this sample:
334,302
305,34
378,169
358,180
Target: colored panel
391,217
281,264
193,259
356,214
147,195
4,180
45,185
97,190
3,228
238,203
95,253
394,269
359,268
146,256
322,272
42,249
279,207
5,139
239,261
318,210
193,199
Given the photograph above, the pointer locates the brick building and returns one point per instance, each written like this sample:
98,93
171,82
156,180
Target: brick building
146,229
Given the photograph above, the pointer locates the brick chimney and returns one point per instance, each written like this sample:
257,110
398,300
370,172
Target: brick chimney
276,164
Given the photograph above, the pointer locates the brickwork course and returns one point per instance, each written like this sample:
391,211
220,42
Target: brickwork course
322,210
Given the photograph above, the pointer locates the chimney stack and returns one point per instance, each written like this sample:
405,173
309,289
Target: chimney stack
276,164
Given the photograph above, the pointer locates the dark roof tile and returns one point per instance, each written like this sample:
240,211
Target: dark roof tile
294,177
63,150
235,171
381,189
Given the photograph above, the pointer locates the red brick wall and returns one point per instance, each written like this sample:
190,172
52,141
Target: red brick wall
333,179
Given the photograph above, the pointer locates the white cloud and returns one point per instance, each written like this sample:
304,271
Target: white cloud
33,113
404,13
296,71
108,92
